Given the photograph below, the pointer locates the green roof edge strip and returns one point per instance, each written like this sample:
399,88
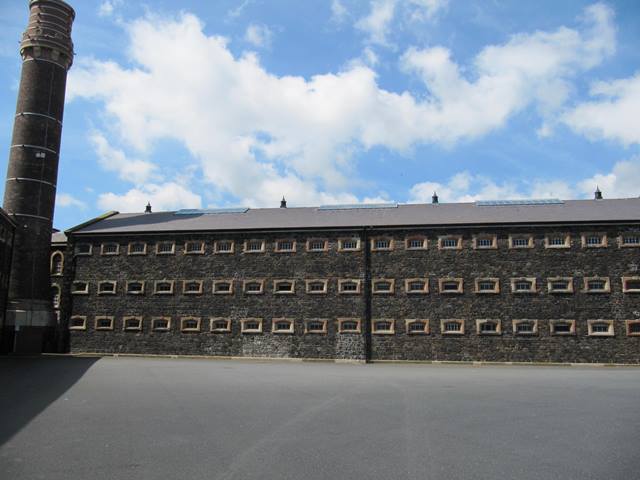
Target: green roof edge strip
104,216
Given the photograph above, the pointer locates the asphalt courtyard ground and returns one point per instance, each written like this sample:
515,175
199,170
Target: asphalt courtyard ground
140,418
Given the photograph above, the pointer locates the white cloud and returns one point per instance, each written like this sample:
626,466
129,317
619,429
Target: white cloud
623,181
613,116
377,23
259,35
66,200
258,136
338,11
427,9
165,196
115,160
107,7
237,11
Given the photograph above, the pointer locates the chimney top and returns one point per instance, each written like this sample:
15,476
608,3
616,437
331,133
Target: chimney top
597,194
147,209
434,198
283,203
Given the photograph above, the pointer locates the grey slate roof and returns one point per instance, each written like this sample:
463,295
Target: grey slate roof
443,214
58,237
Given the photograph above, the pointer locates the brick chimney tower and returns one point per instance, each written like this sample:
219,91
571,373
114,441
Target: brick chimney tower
30,190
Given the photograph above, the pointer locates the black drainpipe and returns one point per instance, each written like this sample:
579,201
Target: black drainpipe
367,294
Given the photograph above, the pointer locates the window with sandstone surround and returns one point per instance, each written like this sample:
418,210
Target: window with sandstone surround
192,287
165,248
521,240
254,246
417,326
594,240
383,286
315,326
135,287
137,248
284,287
223,246
107,287
78,322
253,287
80,288
417,286
452,327
597,285
83,249
562,327
317,245
110,248
163,287
57,263
282,325
132,324
487,285
633,328
383,326
416,242
194,247
316,286
523,285
349,286
631,284
251,325
560,284
450,242
161,324
223,287
488,326
349,325
450,286
485,241
557,240
381,244
190,324
104,323
600,328
220,325
348,244
629,240
287,245
525,327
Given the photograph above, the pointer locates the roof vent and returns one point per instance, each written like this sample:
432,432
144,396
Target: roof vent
597,195
283,203
510,203
434,198
147,209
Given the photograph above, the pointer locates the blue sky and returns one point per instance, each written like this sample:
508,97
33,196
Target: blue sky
241,102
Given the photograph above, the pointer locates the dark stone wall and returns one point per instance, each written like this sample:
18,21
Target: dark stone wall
399,264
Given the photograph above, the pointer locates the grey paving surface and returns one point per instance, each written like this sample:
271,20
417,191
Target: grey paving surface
65,418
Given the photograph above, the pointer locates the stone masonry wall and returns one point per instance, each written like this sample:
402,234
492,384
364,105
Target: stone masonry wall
399,264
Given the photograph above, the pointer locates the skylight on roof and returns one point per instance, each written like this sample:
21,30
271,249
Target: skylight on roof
210,211
509,203
358,206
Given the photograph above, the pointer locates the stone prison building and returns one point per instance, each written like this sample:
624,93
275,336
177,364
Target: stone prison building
504,281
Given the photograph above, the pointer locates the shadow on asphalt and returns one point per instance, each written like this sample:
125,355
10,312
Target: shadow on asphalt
30,385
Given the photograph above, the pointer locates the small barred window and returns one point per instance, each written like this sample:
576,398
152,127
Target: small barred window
132,323
135,288
192,287
487,285
285,246
381,244
253,287
416,243
452,285
222,287
452,326
165,248
164,287
562,327
193,247
633,328
78,323
83,249
383,326
110,249
349,286
631,284
104,323
282,325
223,246
417,327
523,286
348,244
450,243
520,242
602,328
630,240
254,246
558,241
220,325
316,286
80,288
417,286
525,327
283,286
251,325
137,248
349,326
316,326
316,245
383,286
488,327
597,285
190,324
560,285
107,288
484,242
160,324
